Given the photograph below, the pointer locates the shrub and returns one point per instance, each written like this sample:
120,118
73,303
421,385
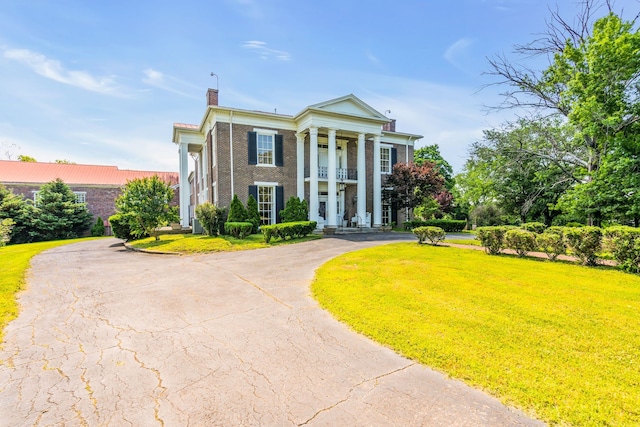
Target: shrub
433,234
624,244
237,212
584,242
287,229
98,228
522,241
253,216
221,218
492,238
574,224
487,215
448,225
239,230
6,226
551,242
295,210
207,215
535,227
121,226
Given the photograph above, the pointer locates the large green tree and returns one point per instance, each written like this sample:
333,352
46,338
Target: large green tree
21,211
58,215
431,153
592,81
147,202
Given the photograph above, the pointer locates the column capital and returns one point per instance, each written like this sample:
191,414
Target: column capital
313,131
332,132
301,136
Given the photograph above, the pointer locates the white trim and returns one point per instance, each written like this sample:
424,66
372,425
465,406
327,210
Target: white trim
266,131
265,183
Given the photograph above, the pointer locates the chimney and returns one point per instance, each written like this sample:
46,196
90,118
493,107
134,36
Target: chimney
212,97
390,126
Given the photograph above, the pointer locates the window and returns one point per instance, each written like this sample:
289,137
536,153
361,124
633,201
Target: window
81,197
386,214
266,204
265,149
385,159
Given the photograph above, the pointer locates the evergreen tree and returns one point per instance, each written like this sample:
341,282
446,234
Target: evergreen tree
58,216
21,211
237,212
253,216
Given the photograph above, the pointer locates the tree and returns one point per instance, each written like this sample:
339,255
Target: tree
591,81
431,153
253,216
409,184
58,216
98,228
65,162
237,212
16,208
6,225
27,159
295,210
207,214
147,200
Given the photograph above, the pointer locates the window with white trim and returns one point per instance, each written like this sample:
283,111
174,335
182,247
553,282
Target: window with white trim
266,155
385,160
81,197
386,213
267,204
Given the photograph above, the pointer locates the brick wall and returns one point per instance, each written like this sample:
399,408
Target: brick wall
245,174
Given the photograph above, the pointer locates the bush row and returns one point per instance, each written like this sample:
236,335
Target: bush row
239,230
286,230
433,234
584,242
448,225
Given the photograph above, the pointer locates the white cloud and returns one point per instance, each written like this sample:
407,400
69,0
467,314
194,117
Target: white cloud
261,49
372,58
53,69
160,80
458,49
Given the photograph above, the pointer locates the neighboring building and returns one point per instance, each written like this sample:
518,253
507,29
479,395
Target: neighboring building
97,186
334,154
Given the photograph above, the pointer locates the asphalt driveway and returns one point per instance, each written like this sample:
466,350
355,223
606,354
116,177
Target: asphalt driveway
109,337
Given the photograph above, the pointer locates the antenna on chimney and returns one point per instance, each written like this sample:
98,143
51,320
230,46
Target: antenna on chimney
217,81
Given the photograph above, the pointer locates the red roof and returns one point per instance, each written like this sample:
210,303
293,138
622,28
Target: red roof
36,172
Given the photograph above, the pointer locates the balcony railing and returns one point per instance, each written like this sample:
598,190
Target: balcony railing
342,174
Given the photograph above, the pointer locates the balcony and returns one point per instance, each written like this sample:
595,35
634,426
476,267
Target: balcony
342,174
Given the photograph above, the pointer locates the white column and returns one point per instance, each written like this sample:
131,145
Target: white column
377,183
362,181
314,205
183,170
332,202
300,165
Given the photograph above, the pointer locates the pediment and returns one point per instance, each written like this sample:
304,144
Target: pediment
349,105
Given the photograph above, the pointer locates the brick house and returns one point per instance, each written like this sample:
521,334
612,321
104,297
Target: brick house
97,186
334,155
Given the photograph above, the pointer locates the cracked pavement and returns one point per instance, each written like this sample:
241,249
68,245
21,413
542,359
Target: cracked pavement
109,337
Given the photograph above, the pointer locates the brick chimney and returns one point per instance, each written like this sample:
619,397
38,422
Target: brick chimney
212,97
390,126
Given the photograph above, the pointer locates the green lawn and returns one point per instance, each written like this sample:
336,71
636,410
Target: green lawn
558,340
14,262
197,243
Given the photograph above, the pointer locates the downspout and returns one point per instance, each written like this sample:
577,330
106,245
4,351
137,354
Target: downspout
406,156
231,149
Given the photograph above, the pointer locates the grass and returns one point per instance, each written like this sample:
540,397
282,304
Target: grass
14,262
196,243
472,242
558,340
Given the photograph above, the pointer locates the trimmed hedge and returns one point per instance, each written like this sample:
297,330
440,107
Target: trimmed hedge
624,244
121,226
448,225
239,230
522,241
291,230
551,242
433,234
492,237
584,242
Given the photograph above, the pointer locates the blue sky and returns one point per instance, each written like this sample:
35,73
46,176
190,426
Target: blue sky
103,82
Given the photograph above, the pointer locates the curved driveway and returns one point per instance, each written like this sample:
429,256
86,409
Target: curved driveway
111,337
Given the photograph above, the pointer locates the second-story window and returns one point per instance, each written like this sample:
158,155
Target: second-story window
265,149
385,159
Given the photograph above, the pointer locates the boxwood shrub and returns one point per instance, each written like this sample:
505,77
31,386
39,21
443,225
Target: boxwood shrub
536,227
521,241
624,244
584,242
448,225
239,230
286,230
551,242
492,238
433,234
